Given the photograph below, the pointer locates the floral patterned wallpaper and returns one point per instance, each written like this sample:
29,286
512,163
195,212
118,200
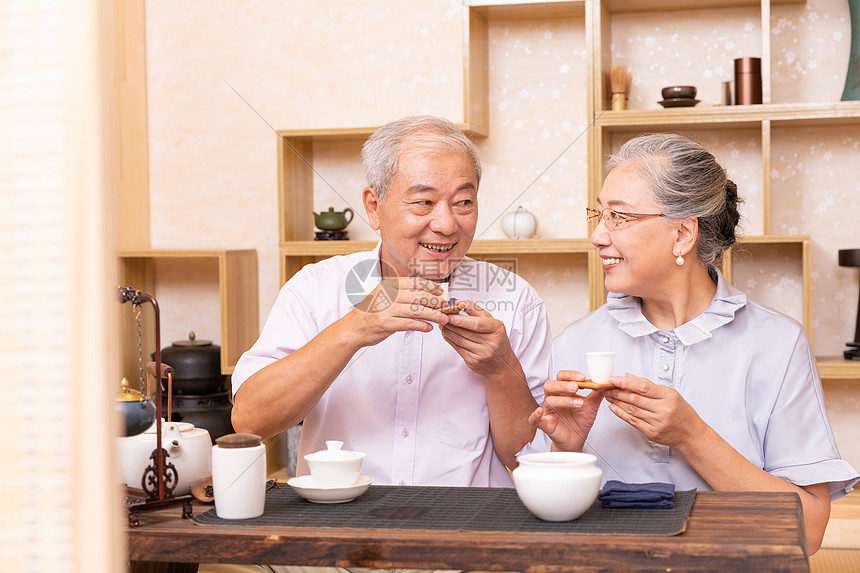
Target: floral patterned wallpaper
222,78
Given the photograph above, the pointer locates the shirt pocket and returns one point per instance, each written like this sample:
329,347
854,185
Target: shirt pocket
465,419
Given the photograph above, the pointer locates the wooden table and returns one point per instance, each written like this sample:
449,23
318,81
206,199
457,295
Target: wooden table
725,532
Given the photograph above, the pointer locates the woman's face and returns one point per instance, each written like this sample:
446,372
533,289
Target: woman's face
637,256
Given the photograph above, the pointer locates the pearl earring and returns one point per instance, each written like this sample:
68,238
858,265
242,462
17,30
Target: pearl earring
680,260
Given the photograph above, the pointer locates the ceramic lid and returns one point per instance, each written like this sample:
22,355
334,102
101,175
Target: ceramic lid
236,441
192,341
333,453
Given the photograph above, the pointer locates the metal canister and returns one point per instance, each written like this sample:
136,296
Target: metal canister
748,81
727,98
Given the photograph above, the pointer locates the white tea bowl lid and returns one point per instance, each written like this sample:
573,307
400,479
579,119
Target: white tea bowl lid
333,453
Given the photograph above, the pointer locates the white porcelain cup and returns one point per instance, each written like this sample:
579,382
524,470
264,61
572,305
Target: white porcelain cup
239,479
600,365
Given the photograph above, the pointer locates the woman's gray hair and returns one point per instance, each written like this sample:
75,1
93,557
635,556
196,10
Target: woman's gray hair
687,181
422,133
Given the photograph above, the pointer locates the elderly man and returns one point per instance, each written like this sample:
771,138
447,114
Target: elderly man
431,398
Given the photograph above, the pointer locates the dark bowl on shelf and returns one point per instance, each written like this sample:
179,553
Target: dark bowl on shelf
672,92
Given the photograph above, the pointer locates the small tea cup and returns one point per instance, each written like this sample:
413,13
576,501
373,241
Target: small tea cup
334,467
600,365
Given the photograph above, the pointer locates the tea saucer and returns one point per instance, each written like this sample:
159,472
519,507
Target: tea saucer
679,102
307,488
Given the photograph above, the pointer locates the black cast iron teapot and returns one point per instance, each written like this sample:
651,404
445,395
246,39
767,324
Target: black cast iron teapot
196,365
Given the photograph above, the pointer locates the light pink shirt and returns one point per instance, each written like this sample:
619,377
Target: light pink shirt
410,402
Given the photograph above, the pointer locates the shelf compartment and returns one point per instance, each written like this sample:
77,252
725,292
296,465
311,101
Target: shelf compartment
476,47
238,294
295,155
803,243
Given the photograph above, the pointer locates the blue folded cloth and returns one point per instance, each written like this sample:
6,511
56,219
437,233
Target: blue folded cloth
653,495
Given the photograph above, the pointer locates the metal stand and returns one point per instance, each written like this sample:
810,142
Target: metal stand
851,258
159,496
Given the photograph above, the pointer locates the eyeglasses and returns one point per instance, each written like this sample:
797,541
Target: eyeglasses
614,219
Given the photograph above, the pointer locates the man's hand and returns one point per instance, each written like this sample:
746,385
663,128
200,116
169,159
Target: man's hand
566,417
397,305
481,340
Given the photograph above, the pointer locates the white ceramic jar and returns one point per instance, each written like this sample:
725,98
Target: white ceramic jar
519,224
239,476
557,486
188,448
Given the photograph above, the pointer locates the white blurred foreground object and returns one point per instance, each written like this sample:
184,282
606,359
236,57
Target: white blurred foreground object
239,476
557,486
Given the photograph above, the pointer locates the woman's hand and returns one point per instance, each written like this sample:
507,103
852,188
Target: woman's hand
659,412
566,417
664,417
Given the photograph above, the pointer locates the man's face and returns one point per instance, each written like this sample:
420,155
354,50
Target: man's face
428,218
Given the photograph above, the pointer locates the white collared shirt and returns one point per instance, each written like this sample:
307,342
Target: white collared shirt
746,369
410,402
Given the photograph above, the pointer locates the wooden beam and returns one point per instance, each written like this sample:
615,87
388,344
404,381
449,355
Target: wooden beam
129,135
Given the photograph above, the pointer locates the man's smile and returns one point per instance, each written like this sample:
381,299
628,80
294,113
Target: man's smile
437,248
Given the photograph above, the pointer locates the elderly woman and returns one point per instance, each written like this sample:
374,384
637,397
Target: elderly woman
719,392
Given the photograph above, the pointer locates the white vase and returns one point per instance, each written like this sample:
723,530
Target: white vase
519,224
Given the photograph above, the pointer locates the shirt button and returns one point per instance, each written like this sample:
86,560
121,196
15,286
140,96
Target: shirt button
665,368
405,432
665,339
409,379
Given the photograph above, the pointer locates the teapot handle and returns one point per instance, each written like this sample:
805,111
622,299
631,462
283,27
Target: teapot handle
345,211
166,369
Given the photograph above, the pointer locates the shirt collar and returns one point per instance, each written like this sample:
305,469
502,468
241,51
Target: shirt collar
627,310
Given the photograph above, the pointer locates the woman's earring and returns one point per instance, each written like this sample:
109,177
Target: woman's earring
680,260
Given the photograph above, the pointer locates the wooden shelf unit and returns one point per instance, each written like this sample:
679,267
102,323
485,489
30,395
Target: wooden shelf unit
238,294
295,147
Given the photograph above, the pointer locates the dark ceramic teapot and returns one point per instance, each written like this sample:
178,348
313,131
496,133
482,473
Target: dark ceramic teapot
196,365
332,220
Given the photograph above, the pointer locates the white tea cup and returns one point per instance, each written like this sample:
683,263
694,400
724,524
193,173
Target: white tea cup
600,365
